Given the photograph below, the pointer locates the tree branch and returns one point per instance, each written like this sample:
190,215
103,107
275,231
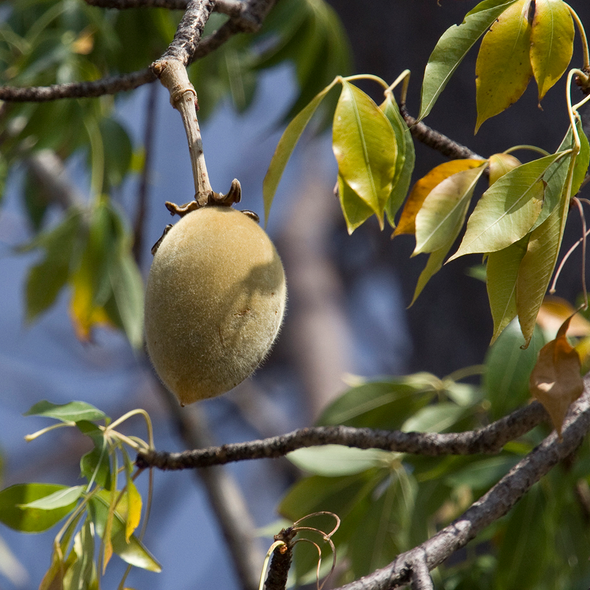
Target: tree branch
232,8
490,507
489,440
436,140
250,18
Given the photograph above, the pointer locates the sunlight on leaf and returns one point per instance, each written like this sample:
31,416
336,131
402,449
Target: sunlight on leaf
422,188
452,48
354,209
69,412
556,380
535,271
365,148
500,164
503,68
507,210
502,275
552,42
444,209
554,311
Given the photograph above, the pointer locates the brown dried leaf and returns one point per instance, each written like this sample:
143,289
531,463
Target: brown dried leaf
556,380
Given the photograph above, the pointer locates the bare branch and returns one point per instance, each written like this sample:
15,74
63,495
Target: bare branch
489,440
421,579
110,85
232,8
436,140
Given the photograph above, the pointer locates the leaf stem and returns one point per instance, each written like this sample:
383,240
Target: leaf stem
405,78
372,77
533,148
584,39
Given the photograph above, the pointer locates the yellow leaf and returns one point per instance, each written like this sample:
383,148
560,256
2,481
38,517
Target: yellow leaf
503,68
134,509
555,380
552,42
85,315
500,164
555,310
422,188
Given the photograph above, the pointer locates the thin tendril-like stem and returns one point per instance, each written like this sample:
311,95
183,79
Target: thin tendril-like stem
583,220
367,77
405,78
533,148
584,39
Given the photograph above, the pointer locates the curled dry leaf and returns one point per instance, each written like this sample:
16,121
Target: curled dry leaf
556,380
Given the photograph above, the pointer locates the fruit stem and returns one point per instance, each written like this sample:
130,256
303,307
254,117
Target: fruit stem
172,74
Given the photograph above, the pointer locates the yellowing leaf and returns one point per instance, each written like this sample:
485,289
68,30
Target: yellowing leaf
552,42
134,509
364,145
422,188
507,210
535,271
500,164
556,381
355,210
501,278
444,209
555,310
503,68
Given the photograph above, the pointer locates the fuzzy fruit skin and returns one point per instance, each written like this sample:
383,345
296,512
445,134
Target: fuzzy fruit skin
215,301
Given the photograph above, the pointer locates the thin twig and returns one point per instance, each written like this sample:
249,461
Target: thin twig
251,17
489,440
232,8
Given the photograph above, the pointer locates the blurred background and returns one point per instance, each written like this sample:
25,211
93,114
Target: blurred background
348,295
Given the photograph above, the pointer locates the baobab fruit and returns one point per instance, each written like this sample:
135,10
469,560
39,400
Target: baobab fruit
214,304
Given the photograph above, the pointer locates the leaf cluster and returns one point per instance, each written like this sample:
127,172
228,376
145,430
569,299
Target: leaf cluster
100,518
383,497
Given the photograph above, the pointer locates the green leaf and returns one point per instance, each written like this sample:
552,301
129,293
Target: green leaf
508,368
435,418
507,210
70,412
382,404
482,474
47,278
95,465
118,152
354,209
582,160
503,68
81,575
501,278
443,212
15,514
382,532
552,42
536,269
406,157
335,460
128,291
3,175
59,499
433,265
452,48
132,552
286,146
500,164
364,146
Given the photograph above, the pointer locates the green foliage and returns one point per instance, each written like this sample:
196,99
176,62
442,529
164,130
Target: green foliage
97,514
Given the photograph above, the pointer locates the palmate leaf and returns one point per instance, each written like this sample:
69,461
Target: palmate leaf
503,68
365,147
452,48
552,42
